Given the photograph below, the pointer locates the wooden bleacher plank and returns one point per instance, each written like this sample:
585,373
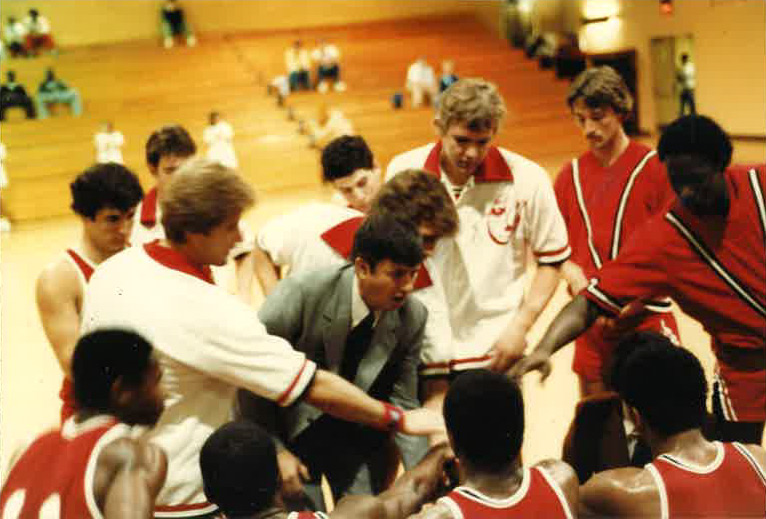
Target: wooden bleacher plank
140,87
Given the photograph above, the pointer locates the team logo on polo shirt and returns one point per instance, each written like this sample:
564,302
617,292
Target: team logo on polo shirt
503,218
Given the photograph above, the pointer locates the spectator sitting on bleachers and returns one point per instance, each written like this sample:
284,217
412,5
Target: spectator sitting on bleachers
14,34
297,62
14,94
174,24
37,33
53,90
448,75
421,82
330,124
327,58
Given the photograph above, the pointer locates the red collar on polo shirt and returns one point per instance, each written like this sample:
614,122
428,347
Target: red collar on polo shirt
149,209
175,260
493,169
341,239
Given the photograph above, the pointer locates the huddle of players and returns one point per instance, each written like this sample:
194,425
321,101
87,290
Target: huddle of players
518,209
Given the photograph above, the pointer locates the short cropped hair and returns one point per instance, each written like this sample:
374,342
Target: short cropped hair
239,468
663,382
343,156
169,140
105,185
474,102
419,197
385,237
601,87
696,135
201,195
484,413
103,356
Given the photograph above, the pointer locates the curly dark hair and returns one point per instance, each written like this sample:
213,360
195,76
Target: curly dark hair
105,185
696,135
663,382
344,155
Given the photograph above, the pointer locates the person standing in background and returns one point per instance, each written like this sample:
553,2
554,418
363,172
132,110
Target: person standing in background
218,138
686,77
109,143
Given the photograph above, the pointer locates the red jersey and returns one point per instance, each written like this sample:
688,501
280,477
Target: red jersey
538,496
54,476
733,485
602,206
713,268
85,269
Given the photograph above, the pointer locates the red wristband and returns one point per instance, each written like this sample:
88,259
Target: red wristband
393,418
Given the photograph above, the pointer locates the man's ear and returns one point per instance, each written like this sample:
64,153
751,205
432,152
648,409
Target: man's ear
361,268
634,416
437,124
152,169
120,394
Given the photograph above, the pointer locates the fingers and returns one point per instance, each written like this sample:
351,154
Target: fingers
292,486
293,472
501,359
422,422
545,370
303,472
517,370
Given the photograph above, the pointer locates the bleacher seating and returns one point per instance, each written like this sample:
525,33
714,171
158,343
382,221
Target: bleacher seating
141,86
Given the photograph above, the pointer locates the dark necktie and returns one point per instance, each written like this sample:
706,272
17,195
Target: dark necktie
357,344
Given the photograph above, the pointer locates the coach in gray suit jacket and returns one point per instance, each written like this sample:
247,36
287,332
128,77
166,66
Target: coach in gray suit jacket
357,321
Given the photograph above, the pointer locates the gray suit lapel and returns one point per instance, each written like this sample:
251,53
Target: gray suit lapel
383,344
337,320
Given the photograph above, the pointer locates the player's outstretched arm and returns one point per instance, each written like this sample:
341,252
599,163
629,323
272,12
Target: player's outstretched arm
571,321
338,397
406,496
129,475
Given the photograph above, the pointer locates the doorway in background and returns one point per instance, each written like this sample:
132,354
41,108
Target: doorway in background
666,57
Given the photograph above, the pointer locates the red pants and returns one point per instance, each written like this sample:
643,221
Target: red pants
593,351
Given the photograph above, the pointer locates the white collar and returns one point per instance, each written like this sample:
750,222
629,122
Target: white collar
359,309
452,187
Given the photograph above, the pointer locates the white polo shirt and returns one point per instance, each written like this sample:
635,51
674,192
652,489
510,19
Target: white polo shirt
208,342
220,147
319,235
506,208
109,146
